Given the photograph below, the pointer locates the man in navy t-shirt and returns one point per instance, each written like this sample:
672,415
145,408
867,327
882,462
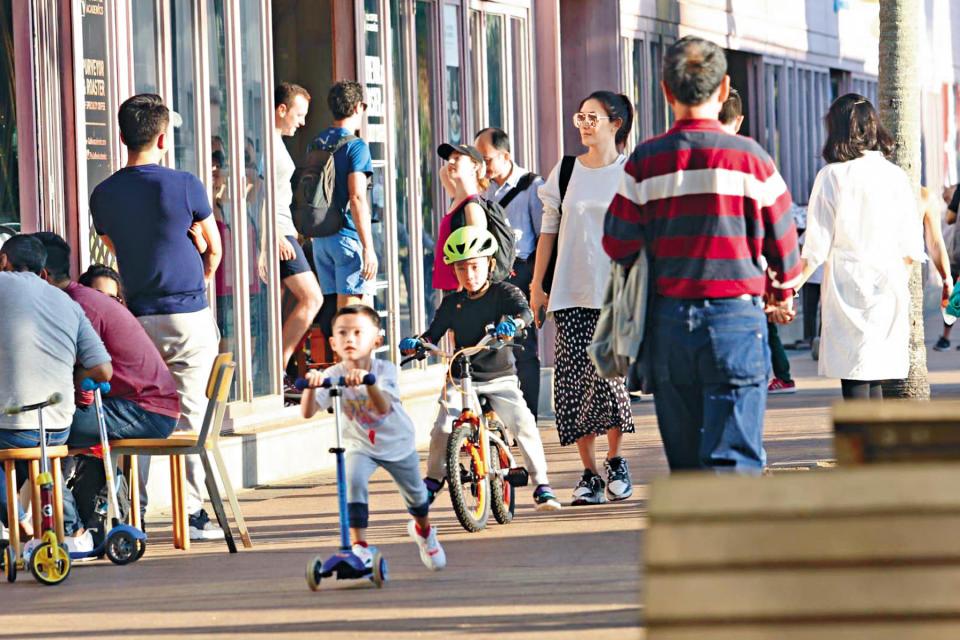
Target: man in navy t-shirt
153,219
346,262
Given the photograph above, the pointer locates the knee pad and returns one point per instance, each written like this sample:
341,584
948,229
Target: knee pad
358,515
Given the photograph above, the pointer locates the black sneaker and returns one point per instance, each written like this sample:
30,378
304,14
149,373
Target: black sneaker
589,490
433,488
619,486
942,344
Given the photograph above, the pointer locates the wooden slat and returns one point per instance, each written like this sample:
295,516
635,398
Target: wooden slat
862,539
796,593
859,630
896,489
868,411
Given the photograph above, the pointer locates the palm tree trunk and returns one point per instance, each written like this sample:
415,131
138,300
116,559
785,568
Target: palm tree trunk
900,113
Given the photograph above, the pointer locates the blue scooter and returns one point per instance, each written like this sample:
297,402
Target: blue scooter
123,544
344,565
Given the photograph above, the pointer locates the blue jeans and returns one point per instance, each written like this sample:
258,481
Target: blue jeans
123,419
10,439
710,366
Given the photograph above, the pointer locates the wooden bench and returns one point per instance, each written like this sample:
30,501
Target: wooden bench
896,431
866,552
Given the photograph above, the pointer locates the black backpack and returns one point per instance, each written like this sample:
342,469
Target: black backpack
498,225
313,211
566,170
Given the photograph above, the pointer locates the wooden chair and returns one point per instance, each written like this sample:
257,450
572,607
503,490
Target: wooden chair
32,455
205,444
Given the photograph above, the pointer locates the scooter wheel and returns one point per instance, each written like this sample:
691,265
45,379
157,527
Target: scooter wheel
314,566
379,569
141,548
50,564
9,564
122,548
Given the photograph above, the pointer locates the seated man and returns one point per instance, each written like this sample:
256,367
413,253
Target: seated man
143,400
43,335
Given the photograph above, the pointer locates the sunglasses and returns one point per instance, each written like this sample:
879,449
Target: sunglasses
589,120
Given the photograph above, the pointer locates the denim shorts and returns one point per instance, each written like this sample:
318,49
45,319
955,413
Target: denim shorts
339,260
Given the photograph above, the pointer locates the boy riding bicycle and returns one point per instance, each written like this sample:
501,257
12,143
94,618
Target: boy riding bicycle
378,432
467,313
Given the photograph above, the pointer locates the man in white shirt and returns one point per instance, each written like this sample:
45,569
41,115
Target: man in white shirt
292,103
515,189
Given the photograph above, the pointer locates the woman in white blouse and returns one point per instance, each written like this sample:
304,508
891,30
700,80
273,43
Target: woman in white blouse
863,225
586,404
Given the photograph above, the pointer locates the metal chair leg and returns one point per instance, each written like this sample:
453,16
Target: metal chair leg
217,501
232,497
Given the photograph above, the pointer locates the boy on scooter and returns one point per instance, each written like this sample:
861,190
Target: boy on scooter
467,313
377,431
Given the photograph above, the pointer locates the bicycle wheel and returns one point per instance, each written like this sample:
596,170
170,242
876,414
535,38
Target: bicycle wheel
469,492
501,491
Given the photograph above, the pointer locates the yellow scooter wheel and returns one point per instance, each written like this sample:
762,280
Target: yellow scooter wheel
50,564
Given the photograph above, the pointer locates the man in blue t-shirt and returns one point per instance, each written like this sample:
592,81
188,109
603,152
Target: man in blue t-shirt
346,262
154,219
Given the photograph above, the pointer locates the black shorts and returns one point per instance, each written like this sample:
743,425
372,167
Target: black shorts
297,265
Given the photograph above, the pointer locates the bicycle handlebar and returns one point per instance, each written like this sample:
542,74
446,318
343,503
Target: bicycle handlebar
89,384
303,383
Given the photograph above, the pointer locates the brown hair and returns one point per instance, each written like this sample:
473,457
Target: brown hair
286,92
618,107
853,127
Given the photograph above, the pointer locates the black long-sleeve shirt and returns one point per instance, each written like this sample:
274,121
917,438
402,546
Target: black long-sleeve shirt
467,318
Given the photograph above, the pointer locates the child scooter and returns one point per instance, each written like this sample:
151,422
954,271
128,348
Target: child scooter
49,561
123,544
344,564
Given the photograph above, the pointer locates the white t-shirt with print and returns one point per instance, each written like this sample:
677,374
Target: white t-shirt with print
387,437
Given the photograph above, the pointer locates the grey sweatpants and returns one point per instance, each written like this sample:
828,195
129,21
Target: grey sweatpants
405,473
507,400
188,344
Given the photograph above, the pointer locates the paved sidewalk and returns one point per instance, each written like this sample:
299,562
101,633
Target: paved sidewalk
571,575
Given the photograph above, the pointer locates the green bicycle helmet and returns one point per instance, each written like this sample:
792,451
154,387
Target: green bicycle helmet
468,242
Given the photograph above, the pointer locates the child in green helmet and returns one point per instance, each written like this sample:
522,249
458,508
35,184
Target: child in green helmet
467,313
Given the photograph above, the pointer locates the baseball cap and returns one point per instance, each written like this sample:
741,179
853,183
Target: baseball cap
446,149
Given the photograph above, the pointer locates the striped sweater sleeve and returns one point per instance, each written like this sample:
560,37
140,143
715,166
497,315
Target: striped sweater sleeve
623,224
780,246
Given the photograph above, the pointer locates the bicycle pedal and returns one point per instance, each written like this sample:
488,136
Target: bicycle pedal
518,477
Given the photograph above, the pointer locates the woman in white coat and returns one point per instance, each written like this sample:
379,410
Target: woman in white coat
863,225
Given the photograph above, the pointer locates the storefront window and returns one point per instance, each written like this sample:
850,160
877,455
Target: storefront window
222,183
451,61
374,80
496,93
521,84
262,334
432,204
184,99
9,166
98,110
145,35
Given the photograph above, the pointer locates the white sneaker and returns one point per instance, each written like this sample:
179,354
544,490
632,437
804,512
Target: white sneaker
364,554
431,553
203,528
28,548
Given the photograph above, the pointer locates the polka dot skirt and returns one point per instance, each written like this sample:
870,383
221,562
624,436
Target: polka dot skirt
585,403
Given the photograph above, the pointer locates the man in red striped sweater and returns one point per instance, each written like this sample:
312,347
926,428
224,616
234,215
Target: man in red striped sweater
707,205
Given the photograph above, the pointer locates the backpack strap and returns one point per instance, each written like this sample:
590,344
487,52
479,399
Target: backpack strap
522,185
566,170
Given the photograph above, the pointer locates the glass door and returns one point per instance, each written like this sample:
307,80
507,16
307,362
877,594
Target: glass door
9,164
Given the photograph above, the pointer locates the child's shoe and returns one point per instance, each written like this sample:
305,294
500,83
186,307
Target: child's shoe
433,488
619,485
27,550
431,553
544,499
589,490
363,552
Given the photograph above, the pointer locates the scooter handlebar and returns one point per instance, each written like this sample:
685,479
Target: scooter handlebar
55,398
303,383
88,384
